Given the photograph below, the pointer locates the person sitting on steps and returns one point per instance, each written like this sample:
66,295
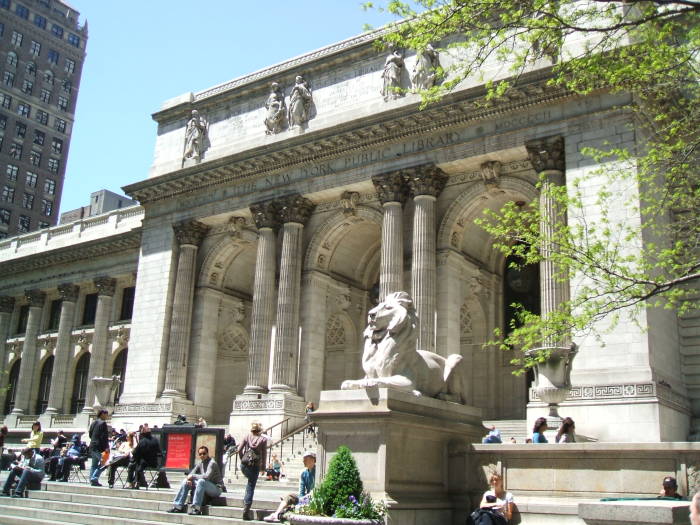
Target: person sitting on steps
204,479
29,470
306,485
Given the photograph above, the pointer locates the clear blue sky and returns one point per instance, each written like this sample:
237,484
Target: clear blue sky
141,53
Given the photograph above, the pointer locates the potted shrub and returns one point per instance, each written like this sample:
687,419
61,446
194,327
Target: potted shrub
339,499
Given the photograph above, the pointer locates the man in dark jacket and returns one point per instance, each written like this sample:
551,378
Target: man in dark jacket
146,454
99,443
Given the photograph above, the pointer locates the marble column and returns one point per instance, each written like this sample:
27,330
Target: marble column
547,158
98,356
28,368
392,191
188,234
295,211
7,306
69,296
264,295
426,182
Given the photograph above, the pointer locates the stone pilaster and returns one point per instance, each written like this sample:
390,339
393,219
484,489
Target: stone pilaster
264,295
392,191
7,306
69,297
426,183
547,157
28,367
189,234
295,211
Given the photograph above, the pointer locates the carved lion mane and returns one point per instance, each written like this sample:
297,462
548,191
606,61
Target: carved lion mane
390,358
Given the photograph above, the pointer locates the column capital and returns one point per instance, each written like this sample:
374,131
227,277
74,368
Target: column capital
7,304
426,179
35,297
265,214
105,285
547,154
190,232
391,187
68,292
295,208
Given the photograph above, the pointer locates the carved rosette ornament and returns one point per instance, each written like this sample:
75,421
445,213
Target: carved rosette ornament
426,179
7,304
547,154
265,214
68,292
35,297
105,285
190,232
391,187
296,208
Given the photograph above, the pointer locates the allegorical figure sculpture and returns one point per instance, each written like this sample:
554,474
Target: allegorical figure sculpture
393,66
390,358
423,76
276,110
195,135
299,103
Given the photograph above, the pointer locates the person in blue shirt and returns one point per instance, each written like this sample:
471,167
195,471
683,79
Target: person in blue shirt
306,485
29,470
538,430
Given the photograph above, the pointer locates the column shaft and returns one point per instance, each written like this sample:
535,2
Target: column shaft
59,378
100,337
391,271
423,275
6,307
27,368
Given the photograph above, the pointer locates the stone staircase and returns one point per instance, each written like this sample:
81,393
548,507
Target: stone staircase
291,452
516,428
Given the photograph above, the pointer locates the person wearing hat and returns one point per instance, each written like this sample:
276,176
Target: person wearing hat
306,485
75,455
494,436
670,489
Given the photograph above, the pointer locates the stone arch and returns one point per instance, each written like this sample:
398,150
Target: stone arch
221,256
78,383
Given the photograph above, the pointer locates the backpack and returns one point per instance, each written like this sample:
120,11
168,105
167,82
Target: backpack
249,458
485,517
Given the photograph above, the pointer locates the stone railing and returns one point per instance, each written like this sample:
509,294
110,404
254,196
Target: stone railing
62,420
26,421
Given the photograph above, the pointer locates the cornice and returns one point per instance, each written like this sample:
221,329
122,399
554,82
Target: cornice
81,251
328,144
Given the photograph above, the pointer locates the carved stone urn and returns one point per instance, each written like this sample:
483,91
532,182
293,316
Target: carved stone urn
104,390
553,376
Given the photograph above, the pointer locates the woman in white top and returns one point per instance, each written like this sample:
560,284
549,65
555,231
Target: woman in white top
121,457
567,431
497,498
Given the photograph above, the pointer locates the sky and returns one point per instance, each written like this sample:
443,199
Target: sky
141,53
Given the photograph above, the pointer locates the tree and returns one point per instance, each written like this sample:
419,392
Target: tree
649,50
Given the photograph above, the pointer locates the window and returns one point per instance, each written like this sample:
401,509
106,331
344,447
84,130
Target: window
39,137
54,314
20,130
11,59
35,48
127,303
11,172
8,78
60,125
24,223
80,380
40,21
5,216
31,179
5,4
53,165
3,121
90,309
46,207
57,30
119,370
22,12
8,194
17,38
49,186
70,66
53,56
13,378
63,103
67,86
2,29
23,109
34,158
56,146
73,40
16,151
42,116
5,101
42,401
48,78
30,69
45,96
27,87
28,201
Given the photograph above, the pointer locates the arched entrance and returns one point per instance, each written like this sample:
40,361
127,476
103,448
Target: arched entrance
12,386
44,385
119,369
80,382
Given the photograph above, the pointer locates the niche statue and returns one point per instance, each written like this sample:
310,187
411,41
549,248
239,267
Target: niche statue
390,358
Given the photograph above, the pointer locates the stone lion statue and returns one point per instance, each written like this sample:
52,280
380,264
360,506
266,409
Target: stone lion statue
390,358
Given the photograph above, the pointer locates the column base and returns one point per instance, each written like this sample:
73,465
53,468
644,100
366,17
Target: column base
161,412
268,410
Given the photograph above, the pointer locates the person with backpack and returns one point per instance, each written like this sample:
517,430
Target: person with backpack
496,507
252,453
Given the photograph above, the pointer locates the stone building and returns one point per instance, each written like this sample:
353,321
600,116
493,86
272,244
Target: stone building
42,50
280,206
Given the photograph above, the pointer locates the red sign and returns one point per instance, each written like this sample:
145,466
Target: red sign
178,452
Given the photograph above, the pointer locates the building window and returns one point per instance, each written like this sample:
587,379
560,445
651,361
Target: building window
22,12
63,103
42,402
90,309
67,86
60,125
23,110
53,165
31,179
45,96
42,116
11,172
54,314
20,130
17,38
30,69
28,201
80,381
56,146
5,4
5,216
2,29
73,40
35,48
39,137
11,59
24,223
35,158
16,151
8,78
53,56
70,66
27,87
8,194
48,78
3,121
57,30
40,21
49,186
22,319
5,101
127,303
46,207
13,378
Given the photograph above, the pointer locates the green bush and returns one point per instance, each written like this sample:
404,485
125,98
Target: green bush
342,481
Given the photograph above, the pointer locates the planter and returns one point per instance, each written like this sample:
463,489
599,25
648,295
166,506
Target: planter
104,390
301,519
553,377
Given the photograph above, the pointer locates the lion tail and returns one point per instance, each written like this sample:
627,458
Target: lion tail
451,362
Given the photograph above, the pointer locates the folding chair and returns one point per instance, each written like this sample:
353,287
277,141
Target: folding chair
120,476
76,472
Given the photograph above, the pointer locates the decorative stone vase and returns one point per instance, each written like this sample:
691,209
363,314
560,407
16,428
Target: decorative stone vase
301,519
553,377
104,390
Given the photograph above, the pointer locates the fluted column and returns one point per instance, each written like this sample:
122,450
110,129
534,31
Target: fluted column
27,368
547,157
98,357
295,211
264,295
69,296
426,182
7,306
189,234
392,192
